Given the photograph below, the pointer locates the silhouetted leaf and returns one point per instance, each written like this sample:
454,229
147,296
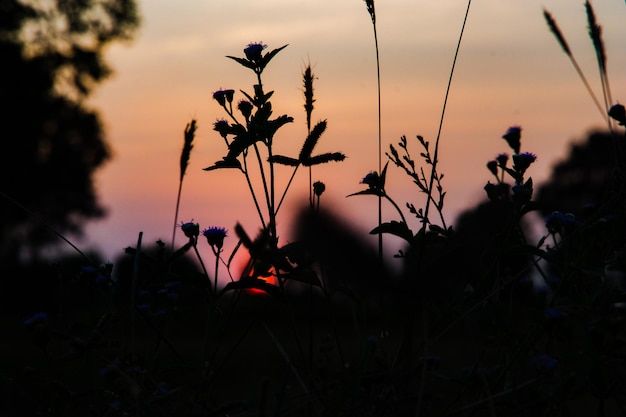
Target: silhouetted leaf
395,228
284,160
369,191
324,158
226,162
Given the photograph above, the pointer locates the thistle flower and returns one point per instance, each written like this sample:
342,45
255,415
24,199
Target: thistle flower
319,188
37,318
245,107
222,96
512,137
254,51
522,161
618,113
542,362
557,221
215,236
222,127
372,179
493,167
190,229
502,159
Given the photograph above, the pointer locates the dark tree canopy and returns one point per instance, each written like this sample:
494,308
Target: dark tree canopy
52,143
587,183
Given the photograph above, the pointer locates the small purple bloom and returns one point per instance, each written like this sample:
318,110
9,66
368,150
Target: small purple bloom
542,362
555,314
319,188
618,112
512,137
254,51
221,96
522,161
245,107
215,236
190,229
222,127
502,159
37,318
372,179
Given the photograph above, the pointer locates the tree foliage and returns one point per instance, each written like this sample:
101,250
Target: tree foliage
53,143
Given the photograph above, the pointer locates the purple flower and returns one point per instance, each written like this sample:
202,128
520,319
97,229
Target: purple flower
522,161
556,222
618,113
512,137
542,362
222,127
554,314
502,159
245,107
372,179
37,318
254,51
318,188
221,96
190,229
493,167
215,236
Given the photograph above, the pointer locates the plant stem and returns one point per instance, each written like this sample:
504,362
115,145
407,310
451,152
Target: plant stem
443,112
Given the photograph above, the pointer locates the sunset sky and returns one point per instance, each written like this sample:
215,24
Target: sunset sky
510,71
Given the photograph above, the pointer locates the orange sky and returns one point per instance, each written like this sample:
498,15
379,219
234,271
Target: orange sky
510,71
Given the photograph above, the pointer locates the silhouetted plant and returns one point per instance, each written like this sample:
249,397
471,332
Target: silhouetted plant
253,139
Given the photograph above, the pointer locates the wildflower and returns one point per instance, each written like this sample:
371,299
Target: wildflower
493,167
222,127
502,159
522,161
554,314
35,319
499,191
372,180
618,113
190,229
319,188
522,193
254,51
512,137
245,107
556,221
222,96
542,362
215,236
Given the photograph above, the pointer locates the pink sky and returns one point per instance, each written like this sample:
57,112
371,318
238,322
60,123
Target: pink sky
510,71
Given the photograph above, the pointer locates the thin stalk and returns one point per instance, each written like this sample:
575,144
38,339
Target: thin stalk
443,112
254,198
372,11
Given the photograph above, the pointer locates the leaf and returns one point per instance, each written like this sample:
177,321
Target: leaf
268,57
226,162
284,160
369,191
242,61
395,228
324,158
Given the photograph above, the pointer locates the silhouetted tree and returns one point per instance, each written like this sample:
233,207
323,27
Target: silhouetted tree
588,182
52,143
